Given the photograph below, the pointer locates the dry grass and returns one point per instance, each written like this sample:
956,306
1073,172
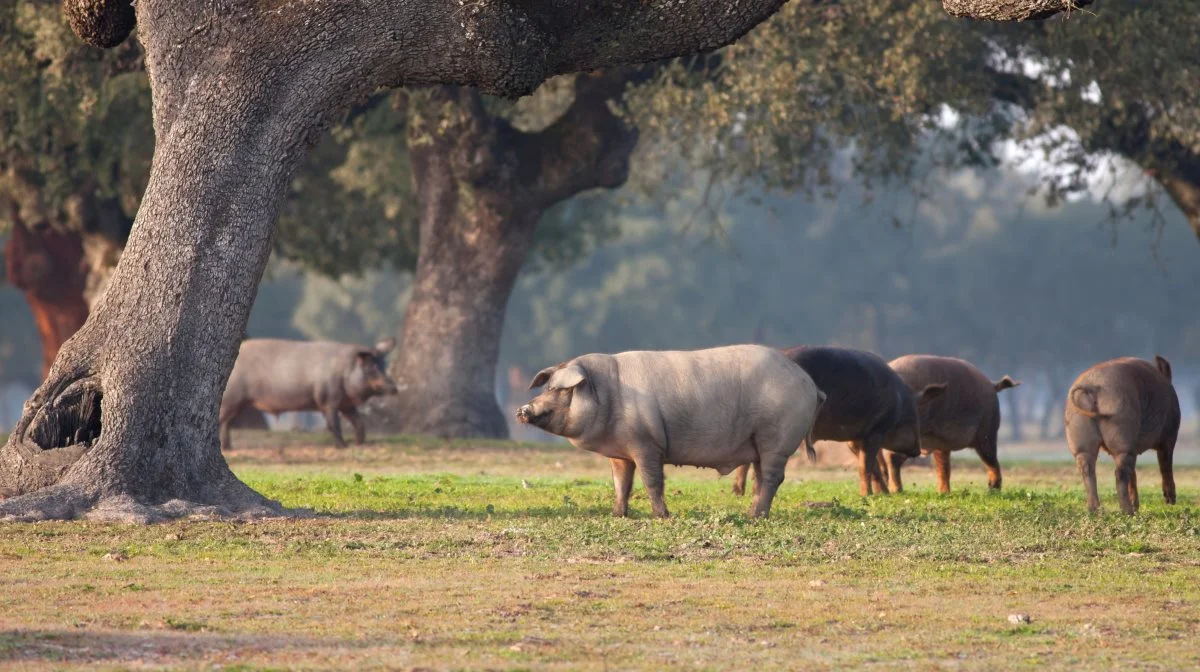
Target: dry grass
503,556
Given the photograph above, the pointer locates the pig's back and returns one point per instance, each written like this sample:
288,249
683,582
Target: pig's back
968,403
712,399
278,375
1136,387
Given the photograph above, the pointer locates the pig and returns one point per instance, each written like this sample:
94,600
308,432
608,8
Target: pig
868,406
968,415
1125,406
275,376
716,408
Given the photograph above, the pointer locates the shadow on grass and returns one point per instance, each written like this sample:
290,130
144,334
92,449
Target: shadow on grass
187,641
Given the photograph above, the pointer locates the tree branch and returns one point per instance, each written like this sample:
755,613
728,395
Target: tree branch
589,146
1011,10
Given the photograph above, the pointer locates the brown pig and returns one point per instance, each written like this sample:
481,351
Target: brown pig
966,416
716,408
868,406
1125,406
275,376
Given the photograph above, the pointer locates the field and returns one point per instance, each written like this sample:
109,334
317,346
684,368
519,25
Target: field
501,555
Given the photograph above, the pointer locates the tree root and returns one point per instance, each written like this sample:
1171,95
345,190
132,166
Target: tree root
68,501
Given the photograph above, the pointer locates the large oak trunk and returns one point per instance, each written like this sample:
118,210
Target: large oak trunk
482,186
125,425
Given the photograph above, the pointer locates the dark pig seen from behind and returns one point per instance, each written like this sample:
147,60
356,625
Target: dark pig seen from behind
1124,406
867,405
276,376
967,416
717,408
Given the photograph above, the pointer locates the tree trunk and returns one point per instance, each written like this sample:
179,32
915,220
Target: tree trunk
47,265
125,425
1014,415
1182,184
482,187
1053,408
60,259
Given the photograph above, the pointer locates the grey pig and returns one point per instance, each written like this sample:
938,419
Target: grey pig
716,408
275,376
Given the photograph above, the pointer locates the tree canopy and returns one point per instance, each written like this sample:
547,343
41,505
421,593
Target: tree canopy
886,77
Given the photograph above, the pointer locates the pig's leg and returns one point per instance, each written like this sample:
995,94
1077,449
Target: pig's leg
622,471
228,413
334,423
739,480
987,453
1133,493
894,460
1086,461
1165,455
769,477
356,422
868,466
1126,468
652,477
757,491
864,474
941,465
1083,438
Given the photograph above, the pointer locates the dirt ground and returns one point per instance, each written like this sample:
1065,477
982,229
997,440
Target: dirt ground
496,555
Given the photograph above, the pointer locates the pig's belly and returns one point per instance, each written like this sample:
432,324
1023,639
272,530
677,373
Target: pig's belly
275,404
722,458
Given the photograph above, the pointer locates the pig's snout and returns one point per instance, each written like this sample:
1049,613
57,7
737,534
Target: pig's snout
524,414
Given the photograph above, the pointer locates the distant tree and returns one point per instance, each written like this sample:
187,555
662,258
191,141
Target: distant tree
75,148
453,185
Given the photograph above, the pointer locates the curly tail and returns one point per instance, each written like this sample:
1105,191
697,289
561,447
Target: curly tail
808,440
1006,383
1084,401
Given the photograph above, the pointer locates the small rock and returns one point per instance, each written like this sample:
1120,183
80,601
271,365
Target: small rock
1018,619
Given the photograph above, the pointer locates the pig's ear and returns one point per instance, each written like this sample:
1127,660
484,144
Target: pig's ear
568,378
542,376
385,346
930,392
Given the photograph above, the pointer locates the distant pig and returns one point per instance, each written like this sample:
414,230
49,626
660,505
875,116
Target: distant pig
966,416
716,408
275,376
868,406
1125,406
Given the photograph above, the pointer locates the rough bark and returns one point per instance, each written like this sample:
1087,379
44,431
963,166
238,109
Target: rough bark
1011,10
60,258
47,265
125,426
1182,184
482,187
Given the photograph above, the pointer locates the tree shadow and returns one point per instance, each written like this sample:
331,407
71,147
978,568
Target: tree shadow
187,642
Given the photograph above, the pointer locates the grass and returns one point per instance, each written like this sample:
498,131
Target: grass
504,556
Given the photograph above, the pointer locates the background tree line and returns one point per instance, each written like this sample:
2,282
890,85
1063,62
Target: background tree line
840,100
